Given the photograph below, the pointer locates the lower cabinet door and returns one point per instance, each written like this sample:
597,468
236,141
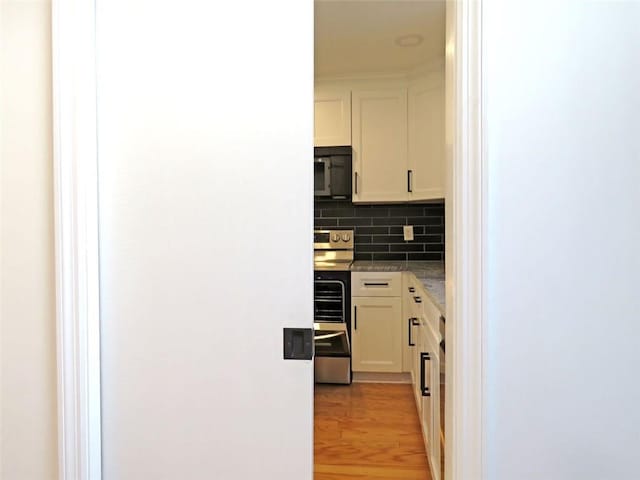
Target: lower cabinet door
417,370
376,333
431,405
435,459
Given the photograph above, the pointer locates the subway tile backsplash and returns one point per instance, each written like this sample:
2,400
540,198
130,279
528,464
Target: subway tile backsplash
378,228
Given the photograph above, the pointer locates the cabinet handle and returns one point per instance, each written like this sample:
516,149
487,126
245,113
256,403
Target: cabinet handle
410,181
424,389
356,182
412,290
417,299
410,322
376,284
355,317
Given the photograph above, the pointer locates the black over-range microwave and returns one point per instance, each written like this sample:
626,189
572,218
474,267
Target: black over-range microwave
332,172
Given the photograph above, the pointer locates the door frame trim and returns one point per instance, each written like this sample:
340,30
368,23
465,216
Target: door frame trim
466,243
77,252
75,176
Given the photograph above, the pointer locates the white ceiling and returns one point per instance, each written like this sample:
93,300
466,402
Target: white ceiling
358,36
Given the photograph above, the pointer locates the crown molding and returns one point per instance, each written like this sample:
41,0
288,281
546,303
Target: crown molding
424,69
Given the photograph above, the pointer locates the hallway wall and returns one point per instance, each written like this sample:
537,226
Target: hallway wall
28,425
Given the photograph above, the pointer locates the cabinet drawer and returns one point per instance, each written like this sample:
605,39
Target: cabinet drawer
376,284
428,313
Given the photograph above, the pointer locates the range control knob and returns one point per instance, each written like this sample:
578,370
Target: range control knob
335,237
346,237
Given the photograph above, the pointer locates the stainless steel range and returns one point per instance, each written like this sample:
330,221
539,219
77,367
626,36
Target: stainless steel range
333,255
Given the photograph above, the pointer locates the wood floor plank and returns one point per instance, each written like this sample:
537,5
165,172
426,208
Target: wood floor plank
368,430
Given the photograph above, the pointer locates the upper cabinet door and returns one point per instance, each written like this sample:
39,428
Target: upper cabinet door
426,142
332,115
380,145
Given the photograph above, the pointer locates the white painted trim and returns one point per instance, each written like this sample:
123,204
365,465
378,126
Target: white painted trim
76,232
434,66
382,377
466,238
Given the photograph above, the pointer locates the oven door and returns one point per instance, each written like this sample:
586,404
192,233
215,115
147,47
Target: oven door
331,340
322,176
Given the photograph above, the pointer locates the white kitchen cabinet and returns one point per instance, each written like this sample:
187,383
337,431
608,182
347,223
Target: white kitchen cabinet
430,409
424,366
396,129
332,117
376,284
380,172
409,317
376,334
416,369
426,142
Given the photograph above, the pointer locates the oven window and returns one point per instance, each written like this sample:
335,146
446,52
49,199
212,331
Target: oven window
329,301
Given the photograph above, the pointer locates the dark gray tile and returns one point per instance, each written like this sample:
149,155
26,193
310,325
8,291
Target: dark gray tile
378,211
407,211
363,239
378,228
326,222
425,256
434,211
407,247
424,221
372,248
428,238
389,221
434,229
353,222
325,203
372,230
338,212
388,239
362,256
389,256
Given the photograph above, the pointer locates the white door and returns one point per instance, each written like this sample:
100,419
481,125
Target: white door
204,113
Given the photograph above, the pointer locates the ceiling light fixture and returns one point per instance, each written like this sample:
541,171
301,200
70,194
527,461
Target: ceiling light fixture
411,40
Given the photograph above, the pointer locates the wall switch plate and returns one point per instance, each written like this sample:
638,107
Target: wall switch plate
408,232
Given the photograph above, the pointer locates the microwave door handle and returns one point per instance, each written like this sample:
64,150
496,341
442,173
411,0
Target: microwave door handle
327,176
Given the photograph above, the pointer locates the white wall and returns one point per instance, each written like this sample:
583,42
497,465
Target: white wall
563,123
28,448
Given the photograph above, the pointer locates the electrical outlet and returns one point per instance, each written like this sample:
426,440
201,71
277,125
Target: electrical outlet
408,232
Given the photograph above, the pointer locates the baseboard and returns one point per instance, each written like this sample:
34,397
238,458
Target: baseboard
381,377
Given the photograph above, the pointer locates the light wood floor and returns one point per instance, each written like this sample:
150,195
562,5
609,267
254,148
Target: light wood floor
368,430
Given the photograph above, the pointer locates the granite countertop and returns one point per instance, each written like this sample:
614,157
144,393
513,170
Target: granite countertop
431,274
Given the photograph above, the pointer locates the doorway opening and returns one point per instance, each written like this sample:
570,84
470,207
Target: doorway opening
380,97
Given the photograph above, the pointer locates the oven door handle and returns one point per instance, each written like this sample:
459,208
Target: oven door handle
329,335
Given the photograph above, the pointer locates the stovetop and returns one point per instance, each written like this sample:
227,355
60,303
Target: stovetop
333,266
